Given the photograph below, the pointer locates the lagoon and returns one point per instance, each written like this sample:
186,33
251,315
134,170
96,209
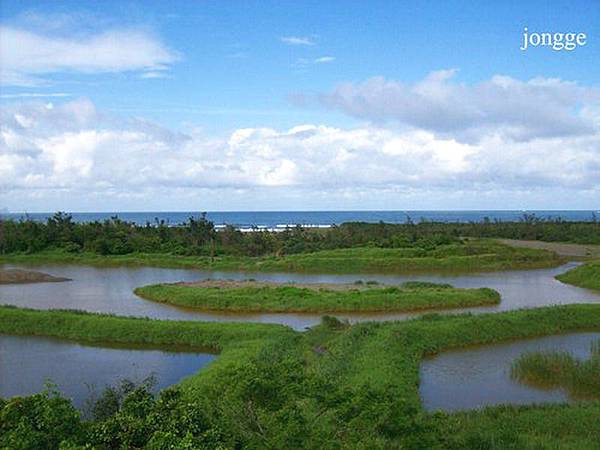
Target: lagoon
110,290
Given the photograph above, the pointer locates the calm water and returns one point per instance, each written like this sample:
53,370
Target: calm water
110,290
480,376
272,219
26,363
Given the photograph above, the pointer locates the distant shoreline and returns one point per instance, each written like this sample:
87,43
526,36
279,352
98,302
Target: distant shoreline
279,220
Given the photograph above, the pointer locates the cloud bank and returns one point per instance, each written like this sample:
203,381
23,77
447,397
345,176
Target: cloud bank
73,150
519,110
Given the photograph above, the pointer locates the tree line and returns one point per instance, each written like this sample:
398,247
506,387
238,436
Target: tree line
199,237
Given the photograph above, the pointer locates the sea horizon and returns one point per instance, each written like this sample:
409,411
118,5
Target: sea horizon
323,218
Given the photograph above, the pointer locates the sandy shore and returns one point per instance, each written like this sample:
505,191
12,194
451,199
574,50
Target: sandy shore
18,276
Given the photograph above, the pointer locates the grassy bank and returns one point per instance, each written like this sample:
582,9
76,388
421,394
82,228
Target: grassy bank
469,256
301,299
340,386
104,328
585,276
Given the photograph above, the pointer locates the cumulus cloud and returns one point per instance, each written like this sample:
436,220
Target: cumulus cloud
522,110
27,55
77,149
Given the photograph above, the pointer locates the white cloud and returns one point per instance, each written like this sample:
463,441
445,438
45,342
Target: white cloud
304,63
36,95
27,56
154,75
85,153
297,40
523,110
324,60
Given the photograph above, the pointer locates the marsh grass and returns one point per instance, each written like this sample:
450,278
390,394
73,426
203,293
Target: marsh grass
470,256
411,296
561,370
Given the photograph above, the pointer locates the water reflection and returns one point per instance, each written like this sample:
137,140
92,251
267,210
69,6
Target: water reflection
28,362
481,376
110,290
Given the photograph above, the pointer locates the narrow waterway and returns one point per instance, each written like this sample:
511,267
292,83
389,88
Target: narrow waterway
110,290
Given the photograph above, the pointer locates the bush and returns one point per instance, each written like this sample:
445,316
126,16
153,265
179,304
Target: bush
40,421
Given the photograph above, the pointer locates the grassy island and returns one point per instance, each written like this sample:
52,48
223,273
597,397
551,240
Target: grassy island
251,296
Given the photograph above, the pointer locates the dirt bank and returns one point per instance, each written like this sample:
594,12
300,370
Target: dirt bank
17,276
561,249
233,284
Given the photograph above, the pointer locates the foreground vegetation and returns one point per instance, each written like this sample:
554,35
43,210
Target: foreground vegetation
560,370
335,386
585,276
463,256
408,297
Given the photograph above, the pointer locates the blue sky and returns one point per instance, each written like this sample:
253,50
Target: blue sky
211,69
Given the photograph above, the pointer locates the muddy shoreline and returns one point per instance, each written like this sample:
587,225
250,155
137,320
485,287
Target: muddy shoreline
19,276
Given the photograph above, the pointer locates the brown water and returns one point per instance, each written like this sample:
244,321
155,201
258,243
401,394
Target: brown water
27,363
480,376
110,290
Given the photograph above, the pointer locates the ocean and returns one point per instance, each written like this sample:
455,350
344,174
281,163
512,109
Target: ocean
282,219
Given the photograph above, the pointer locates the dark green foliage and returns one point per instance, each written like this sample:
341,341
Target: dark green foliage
142,420
136,418
112,398
40,421
198,237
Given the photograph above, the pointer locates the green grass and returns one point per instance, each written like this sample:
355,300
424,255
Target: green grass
411,297
341,386
471,256
585,276
110,329
548,427
554,370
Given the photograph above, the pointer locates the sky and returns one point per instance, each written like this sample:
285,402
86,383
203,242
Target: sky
306,105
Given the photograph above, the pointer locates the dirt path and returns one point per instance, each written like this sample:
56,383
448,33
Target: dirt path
562,249
17,276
